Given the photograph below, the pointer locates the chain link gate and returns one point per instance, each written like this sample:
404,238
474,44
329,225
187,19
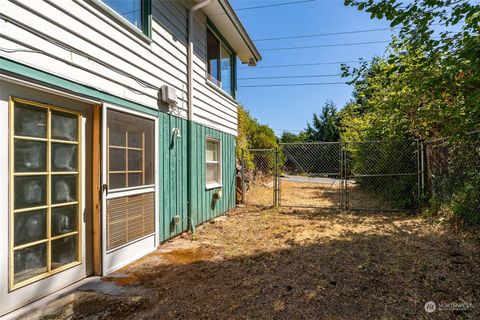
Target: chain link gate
370,175
310,175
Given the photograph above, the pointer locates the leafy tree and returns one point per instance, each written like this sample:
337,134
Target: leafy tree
324,127
289,137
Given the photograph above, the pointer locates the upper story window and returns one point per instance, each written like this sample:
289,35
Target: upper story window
137,12
220,63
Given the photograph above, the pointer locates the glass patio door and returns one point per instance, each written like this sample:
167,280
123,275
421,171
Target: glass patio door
46,189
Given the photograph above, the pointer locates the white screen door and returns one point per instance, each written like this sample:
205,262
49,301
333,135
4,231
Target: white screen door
129,193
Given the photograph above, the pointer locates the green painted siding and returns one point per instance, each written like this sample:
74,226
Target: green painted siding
173,176
204,207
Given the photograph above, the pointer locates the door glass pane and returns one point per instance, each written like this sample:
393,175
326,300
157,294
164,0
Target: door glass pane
64,220
30,156
30,191
64,188
226,65
64,251
212,151
140,132
117,159
30,121
117,180
29,227
212,172
135,160
134,139
64,157
29,262
117,137
134,179
64,126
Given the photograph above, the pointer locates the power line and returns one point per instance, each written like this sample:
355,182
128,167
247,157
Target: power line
304,64
326,45
290,84
287,130
273,5
325,34
289,77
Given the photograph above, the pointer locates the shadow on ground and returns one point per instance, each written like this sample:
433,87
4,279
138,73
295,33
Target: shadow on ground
295,265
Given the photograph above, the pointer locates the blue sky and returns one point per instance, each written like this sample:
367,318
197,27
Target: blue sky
292,107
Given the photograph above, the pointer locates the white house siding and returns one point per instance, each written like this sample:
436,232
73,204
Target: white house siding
127,65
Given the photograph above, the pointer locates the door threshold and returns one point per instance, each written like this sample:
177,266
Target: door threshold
31,309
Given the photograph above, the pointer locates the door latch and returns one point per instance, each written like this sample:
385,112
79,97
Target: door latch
105,187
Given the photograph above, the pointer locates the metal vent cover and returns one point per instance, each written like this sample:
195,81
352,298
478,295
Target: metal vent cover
129,218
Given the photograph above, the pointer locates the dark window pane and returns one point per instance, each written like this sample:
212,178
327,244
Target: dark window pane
29,227
64,220
131,10
64,251
213,56
64,126
117,159
135,139
64,188
135,160
117,180
64,157
134,179
30,121
226,65
29,262
30,156
30,191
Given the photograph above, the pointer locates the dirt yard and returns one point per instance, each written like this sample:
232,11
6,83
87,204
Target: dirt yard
293,264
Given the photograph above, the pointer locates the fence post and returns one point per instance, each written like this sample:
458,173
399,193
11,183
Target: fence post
275,175
422,166
419,170
244,193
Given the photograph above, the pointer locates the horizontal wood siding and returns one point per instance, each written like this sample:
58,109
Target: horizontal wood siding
67,32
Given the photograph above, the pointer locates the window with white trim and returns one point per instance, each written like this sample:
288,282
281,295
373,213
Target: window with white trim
213,163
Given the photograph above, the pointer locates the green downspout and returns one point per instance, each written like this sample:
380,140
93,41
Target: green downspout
190,160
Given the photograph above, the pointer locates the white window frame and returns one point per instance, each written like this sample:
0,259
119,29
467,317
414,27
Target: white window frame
217,184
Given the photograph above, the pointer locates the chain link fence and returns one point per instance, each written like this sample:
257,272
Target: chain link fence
452,168
259,167
368,175
382,175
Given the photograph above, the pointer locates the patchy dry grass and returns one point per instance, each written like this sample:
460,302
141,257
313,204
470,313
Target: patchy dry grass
300,264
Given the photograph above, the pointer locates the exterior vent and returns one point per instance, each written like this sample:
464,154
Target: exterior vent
129,218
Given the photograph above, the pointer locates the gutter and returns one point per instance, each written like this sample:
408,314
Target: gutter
190,160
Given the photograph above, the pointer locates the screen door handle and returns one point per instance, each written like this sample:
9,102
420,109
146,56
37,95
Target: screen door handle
105,187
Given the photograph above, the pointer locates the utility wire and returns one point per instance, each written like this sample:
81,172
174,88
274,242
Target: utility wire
290,84
273,5
332,33
303,64
289,77
325,34
326,45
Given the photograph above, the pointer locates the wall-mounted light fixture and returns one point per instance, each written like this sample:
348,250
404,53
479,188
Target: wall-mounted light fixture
176,133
